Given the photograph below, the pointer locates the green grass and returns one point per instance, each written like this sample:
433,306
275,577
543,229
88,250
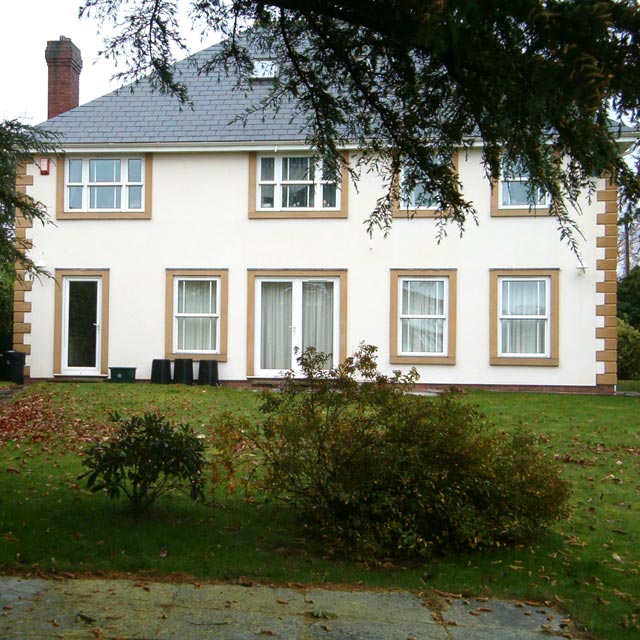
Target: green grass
588,565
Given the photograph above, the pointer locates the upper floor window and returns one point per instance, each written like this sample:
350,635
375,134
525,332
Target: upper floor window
105,184
295,185
295,182
420,201
515,192
420,198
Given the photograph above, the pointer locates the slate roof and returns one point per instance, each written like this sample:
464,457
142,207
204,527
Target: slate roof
136,114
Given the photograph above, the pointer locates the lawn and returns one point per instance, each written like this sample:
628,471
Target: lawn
588,565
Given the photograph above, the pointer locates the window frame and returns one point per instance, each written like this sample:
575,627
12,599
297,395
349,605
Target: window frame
551,356
449,277
257,276
402,209
63,210
498,209
173,278
278,211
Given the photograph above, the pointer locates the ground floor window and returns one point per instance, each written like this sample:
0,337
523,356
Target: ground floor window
423,316
196,313
524,309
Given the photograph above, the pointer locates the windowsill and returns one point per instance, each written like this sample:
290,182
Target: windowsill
312,214
196,357
103,215
524,362
534,212
443,360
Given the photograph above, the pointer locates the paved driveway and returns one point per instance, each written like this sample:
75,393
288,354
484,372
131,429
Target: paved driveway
34,609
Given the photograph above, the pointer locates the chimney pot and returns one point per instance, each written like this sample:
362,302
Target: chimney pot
65,63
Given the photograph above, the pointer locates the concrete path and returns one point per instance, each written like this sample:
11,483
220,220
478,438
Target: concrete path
34,609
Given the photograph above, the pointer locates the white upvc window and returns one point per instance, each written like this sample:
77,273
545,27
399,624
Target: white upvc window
420,198
515,190
196,315
104,184
294,183
524,317
423,322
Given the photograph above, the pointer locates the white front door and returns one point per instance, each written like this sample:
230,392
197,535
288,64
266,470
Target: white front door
292,315
82,296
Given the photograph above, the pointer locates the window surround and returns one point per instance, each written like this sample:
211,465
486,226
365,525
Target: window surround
498,210
341,211
60,275
398,210
397,276
254,274
550,360
221,275
64,213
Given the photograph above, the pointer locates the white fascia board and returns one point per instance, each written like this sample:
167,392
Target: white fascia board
197,147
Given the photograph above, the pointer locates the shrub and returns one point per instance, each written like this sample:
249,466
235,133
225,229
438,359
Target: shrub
628,352
629,298
385,472
145,458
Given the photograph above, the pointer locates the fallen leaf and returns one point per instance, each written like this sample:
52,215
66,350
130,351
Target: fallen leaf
81,617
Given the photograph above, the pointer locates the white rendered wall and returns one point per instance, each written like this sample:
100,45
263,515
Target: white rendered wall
200,221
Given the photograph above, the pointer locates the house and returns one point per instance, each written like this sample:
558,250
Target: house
186,234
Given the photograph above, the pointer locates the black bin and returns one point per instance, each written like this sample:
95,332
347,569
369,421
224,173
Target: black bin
183,371
161,371
12,366
208,373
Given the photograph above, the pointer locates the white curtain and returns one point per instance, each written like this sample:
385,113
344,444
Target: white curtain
423,334
197,328
317,317
276,321
524,298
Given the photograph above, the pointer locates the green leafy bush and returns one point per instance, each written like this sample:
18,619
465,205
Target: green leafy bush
371,466
629,298
145,458
628,352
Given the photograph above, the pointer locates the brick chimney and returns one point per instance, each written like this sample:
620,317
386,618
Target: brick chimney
65,63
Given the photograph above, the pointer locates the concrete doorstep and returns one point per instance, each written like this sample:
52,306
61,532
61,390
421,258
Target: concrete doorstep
34,609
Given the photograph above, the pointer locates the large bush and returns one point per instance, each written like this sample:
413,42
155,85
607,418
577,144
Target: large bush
628,352
369,465
146,457
629,298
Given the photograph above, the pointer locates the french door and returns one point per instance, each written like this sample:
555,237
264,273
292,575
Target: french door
293,314
81,325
